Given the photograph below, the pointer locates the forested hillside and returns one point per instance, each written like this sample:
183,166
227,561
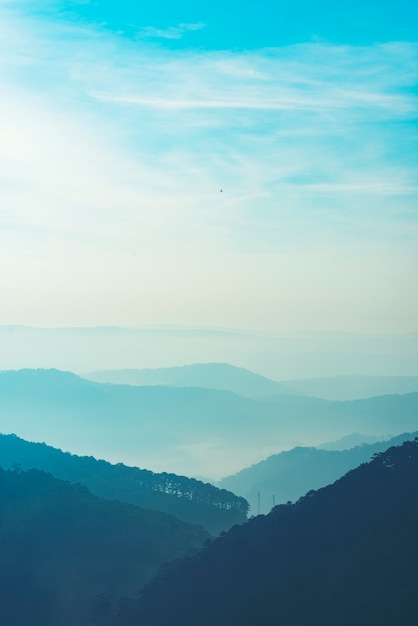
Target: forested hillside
188,431
66,555
291,474
186,498
346,554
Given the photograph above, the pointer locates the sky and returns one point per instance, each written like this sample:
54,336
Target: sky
248,166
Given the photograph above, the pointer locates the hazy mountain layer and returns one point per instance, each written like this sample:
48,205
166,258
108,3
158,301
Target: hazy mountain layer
351,441
291,474
187,499
250,385
190,431
279,356
353,387
204,375
66,554
346,554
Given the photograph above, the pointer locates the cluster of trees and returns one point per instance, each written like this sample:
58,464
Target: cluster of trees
192,489
346,554
67,555
188,499
290,474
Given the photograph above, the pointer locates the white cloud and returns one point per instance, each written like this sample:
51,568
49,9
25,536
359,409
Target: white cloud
113,154
172,32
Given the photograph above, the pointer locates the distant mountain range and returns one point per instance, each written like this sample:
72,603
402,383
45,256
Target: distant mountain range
205,375
67,555
189,431
346,554
279,356
245,383
187,499
289,475
353,387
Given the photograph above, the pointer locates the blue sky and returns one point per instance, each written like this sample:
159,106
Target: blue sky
121,122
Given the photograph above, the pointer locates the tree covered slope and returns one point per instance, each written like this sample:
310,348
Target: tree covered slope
188,499
290,474
346,554
65,552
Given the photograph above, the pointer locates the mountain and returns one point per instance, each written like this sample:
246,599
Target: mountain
67,554
186,431
289,475
352,387
205,375
346,554
351,441
279,356
250,385
187,499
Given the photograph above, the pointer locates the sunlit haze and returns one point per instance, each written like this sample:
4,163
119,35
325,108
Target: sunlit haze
184,166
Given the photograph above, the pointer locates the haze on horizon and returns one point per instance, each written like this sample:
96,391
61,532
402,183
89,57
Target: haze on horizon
209,166
277,356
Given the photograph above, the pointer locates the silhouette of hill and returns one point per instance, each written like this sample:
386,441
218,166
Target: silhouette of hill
353,387
289,475
205,375
287,355
346,554
66,554
187,499
188,431
351,441
250,385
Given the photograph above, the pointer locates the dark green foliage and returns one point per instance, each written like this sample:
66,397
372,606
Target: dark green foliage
186,498
65,554
346,554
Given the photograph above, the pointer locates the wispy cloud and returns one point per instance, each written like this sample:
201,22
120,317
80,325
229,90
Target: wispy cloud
113,154
282,101
172,32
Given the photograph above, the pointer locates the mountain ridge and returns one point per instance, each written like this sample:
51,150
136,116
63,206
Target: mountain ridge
287,476
221,376
346,554
63,549
187,431
186,499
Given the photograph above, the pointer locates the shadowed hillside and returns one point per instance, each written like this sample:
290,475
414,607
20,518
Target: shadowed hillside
185,498
291,474
346,554
65,553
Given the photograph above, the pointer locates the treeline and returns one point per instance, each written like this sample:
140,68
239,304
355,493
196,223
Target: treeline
186,498
67,555
290,474
191,489
346,554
